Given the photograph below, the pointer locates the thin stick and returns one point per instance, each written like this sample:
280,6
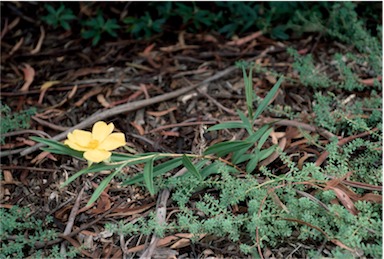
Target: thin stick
128,107
161,212
71,220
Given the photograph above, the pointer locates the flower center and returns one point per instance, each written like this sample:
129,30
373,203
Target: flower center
93,144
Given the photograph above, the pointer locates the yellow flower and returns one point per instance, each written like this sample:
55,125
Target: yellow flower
96,144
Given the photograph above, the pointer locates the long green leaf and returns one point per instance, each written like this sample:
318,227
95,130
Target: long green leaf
246,122
148,177
267,152
264,138
267,99
224,148
251,165
248,90
136,159
227,125
73,177
96,194
257,135
191,167
56,147
93,168
210,169
157,170
238,155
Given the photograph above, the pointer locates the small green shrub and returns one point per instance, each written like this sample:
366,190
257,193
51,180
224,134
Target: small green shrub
61,16
14,121
97,26
144,26
19,231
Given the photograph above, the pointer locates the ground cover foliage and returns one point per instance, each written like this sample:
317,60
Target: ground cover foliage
280,157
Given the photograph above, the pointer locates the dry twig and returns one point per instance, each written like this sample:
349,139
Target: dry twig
128,107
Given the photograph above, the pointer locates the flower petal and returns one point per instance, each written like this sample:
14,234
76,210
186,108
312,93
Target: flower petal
96,155
101,130
74,145
113,141
80,137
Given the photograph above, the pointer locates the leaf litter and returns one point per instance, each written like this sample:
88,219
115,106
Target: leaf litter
70,84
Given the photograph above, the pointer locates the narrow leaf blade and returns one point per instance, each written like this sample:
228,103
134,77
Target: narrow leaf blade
267,99
96,194
223,148
227,125
148,177
246,122
191,167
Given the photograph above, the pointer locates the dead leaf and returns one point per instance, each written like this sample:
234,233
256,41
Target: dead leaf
6,206
48,84
275,155
336,181
345,200
29,75
370,81
103,204
241,41
17,46
206,37
340,244
145,91
161,113
23,177
170,133
376,198
147,51
63,213
138,127
40,42
84,72
131,211
88,95
7,176
276,136
103,101
185,240
8,27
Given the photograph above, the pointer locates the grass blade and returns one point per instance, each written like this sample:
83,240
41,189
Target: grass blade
91,169
248,90
96,194
267,152
157,170
267,99
191,167
264,138
148,176
227,125
258,134
224,148
246,122
56,147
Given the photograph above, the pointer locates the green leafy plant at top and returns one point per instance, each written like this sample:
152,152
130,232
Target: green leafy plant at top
14,121
144,26
196,16
238,17
251,150
60,16
98,26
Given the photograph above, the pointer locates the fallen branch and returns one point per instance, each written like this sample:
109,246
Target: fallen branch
128,107
161,212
